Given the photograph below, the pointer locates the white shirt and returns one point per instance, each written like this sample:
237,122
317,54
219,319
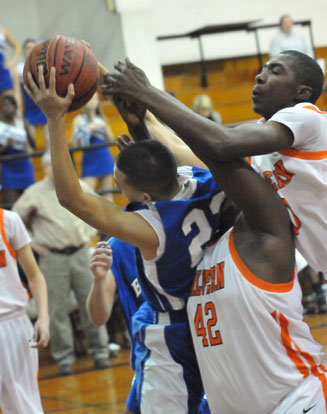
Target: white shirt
13,236
299,174
289,41
251,343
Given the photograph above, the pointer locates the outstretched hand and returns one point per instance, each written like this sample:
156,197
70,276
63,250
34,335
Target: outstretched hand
130,81
50,103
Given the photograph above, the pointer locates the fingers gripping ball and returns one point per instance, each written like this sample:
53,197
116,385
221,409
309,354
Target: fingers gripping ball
74,62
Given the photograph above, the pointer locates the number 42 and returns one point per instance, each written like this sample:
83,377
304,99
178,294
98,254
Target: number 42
208,336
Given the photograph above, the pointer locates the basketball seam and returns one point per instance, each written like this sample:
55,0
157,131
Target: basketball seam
55,51
30,70
81,67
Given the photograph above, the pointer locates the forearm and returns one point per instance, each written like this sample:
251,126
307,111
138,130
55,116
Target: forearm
166,136
207,139
39,291
98,304
139,132
65,177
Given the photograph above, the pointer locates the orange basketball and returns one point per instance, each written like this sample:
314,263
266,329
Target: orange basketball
74,62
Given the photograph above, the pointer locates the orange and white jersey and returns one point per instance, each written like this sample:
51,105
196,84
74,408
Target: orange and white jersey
251,343
13,236
299,174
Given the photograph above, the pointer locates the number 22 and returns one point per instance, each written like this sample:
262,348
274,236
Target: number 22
206,332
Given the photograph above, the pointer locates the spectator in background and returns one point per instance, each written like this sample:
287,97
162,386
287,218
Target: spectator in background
98,164
16,174
18,339
202,105
314,290
6,37
288,39
61,241
27,108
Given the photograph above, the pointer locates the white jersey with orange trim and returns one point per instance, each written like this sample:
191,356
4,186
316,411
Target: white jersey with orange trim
299,174
13,236
251,343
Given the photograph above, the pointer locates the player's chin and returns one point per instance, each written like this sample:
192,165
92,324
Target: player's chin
257,108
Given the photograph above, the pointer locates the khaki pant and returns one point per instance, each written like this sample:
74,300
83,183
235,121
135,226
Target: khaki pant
64,273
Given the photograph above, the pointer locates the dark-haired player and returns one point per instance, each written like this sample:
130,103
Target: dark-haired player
293,132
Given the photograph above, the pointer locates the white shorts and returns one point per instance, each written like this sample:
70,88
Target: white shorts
19,391
307,397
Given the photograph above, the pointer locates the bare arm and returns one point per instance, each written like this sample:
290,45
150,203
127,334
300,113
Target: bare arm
166,136
102,294
38,288
98,212
208,140
14,44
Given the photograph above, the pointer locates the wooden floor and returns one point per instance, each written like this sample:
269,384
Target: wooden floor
105,391
88,391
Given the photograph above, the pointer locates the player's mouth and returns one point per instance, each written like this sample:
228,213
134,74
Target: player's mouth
256,93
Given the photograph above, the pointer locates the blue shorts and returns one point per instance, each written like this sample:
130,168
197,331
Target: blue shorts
97,162
17,174
166,369
132,402
5,77
32,112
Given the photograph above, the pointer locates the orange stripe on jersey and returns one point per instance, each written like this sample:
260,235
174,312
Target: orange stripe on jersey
304,155
313,108
294,355
4,236
251,277
287,342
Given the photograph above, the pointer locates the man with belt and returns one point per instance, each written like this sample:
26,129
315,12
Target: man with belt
60,239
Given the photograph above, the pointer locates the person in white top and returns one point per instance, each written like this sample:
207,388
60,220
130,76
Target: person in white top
288,39
293,131
18,339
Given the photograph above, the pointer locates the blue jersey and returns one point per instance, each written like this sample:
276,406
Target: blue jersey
125,273
184,226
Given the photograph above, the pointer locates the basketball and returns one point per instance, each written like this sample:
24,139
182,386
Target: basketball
74,62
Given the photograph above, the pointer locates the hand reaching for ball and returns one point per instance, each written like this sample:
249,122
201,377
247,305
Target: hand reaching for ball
50,103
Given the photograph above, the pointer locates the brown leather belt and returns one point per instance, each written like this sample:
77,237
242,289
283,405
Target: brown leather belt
67,250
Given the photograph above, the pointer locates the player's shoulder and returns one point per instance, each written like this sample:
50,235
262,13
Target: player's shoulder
12,222
11,216
304,111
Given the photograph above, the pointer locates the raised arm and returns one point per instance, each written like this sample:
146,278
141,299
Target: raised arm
207,139
98,212
166,136
11,40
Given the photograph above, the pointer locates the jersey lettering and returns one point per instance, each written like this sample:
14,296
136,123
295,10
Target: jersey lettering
207,334
279,177
198,218
137,288
283,176
208,281
296,223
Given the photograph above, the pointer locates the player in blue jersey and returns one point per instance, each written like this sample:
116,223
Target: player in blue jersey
180,214
114,266
111,276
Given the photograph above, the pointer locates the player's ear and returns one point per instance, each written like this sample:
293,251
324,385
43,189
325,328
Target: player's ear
303,93
147,198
